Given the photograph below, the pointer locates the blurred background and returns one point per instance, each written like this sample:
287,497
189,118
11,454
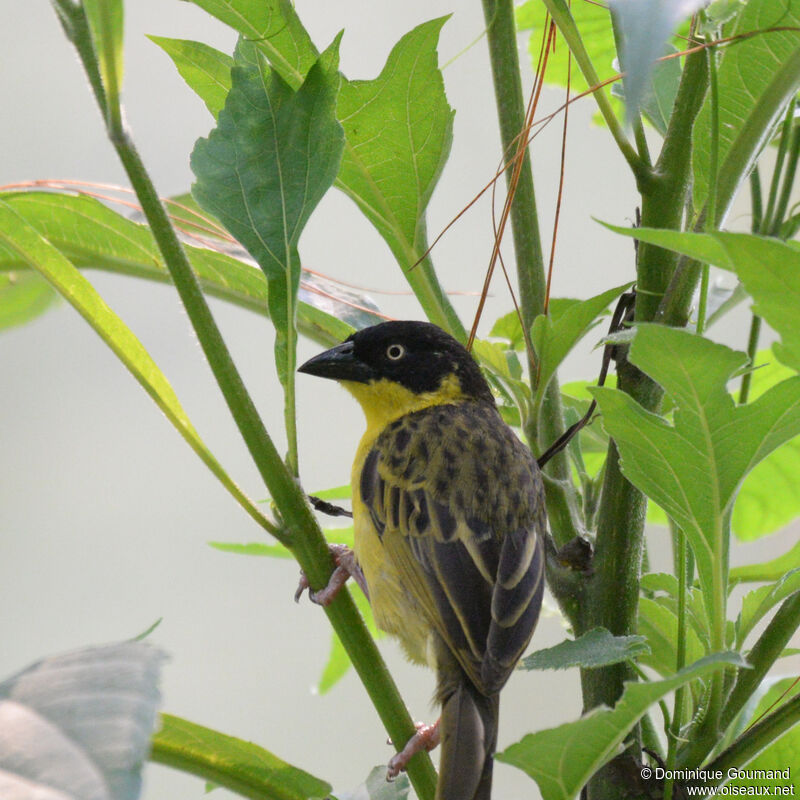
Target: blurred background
105,513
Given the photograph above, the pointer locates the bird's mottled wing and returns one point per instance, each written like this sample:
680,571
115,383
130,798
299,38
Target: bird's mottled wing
459,504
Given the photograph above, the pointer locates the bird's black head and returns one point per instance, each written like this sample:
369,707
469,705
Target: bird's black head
418,356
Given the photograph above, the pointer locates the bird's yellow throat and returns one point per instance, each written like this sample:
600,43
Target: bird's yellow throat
384,400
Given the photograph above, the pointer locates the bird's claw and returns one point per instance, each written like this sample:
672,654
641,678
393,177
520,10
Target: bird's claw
346,567
426,738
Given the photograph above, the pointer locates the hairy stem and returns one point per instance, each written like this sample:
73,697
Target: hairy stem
501,33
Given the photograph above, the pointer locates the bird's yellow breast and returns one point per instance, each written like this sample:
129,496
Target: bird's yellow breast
394,607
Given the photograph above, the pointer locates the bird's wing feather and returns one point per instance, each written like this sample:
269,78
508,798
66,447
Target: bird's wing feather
458,502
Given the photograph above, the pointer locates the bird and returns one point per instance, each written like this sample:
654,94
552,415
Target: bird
449,529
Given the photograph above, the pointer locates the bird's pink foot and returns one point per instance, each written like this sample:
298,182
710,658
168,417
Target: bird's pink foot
426,738
346,567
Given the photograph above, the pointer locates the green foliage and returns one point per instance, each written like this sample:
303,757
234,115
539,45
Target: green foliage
593,22
23,297
274,28
769,570
756,77
782,753
206,70
26,244
595,648
693,468
398,130
561,760
759,602
658,623
554,338
287,127
241,766
769,270
93,236
253,176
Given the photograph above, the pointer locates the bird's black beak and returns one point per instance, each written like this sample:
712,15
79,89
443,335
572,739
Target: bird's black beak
338,363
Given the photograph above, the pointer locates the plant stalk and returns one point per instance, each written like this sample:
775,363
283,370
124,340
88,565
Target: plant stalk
301,532
303,535
674,733
765,652
562,16
562,501
755,739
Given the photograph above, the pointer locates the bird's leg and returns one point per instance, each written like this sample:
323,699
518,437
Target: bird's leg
331,509
346,567
426,738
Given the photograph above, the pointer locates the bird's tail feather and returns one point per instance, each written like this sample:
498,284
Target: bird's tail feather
468,740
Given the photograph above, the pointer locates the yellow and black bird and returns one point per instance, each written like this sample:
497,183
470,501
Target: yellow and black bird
448,506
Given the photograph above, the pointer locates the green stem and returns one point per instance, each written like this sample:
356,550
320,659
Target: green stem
303,535
711,207
788,181
614,592
562,500
756,201
638,128
664,205
682,567
755,739
752,349
774,184
765,652
301,532
562,16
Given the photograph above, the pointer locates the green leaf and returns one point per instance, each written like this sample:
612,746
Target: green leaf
253,549
595,648
23,297
780,755
768,268
659,625
30,247
693,468
206,70
768,499
554,338
398,130
756,78
561,760
92,235
594,24
770,571
235,764
334,535
274,27
337,493
509,327
263,170
757,603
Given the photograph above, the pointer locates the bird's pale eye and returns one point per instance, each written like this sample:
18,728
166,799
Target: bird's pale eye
394,352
